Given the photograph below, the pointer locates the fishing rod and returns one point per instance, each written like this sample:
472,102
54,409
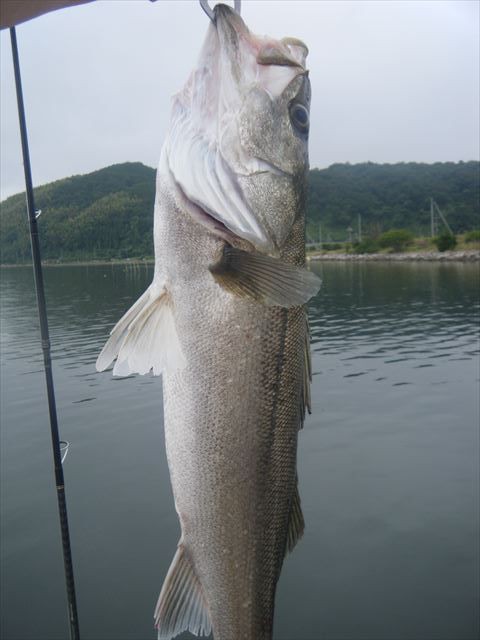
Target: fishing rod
47,362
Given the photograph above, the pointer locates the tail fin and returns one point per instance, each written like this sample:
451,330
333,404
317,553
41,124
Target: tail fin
181,605
145,338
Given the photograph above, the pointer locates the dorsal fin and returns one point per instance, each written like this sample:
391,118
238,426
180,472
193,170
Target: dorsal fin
296,524
305,400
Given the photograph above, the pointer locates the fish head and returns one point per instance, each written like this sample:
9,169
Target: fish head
238,142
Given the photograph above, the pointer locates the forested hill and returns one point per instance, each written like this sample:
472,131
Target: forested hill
388,196
109,213
104,214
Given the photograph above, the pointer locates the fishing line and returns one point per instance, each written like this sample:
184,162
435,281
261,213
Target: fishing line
47,362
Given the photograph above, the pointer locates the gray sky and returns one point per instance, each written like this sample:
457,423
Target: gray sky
392,80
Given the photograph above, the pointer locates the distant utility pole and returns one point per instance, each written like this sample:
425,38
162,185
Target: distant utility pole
320,235
359,228
433,220
350,231
435,214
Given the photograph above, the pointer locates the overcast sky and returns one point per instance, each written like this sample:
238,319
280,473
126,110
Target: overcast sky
392,80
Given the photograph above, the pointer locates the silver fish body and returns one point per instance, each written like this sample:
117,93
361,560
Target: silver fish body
231,422
225,323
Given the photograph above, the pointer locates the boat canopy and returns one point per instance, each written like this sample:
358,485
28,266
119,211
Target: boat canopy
13,12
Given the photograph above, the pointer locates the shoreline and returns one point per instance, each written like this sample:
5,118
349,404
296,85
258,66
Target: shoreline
471,255
86,263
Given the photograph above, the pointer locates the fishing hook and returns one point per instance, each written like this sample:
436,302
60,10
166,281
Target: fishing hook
237,5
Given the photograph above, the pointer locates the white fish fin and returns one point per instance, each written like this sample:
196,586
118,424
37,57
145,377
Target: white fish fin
145,338
296,525
264,279
306,401
111,348
181,605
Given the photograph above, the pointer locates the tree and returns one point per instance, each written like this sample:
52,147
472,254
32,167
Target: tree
445,242
396,239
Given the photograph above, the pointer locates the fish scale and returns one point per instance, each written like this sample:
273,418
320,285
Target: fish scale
224,322
261,404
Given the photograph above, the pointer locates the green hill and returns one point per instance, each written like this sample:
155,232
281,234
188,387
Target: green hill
104,214
109,213
388,196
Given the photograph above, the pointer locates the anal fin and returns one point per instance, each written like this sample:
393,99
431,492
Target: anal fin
264,279
296,524
181,605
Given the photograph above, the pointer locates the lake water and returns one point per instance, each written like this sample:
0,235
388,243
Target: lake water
388,462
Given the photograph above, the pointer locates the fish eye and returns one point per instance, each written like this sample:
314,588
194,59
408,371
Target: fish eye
299,117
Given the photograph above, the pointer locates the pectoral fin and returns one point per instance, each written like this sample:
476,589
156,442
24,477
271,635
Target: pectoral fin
264,279
145,338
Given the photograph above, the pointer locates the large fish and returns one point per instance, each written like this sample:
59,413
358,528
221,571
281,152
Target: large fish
224,321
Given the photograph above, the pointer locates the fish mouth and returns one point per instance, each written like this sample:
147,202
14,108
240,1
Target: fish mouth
225,16
287,52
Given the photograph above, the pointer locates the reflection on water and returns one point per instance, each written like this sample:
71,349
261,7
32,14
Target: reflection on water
388,461
395,313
